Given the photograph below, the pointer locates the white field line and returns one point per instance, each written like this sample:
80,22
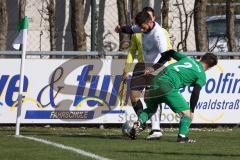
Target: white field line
64,147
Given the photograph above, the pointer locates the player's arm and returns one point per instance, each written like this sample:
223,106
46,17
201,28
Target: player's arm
166,56
194,97
162,43
128,29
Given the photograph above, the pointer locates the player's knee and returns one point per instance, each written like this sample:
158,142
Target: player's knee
185,113
135,96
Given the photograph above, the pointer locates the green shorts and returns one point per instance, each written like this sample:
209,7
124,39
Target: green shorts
162,91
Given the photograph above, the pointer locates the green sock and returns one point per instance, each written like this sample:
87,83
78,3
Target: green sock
143,117
185,123
147,113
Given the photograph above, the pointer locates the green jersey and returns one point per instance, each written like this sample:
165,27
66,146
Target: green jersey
185,72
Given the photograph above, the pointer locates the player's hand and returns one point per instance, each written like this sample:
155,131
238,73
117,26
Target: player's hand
124,76
191,116
149,70
118,29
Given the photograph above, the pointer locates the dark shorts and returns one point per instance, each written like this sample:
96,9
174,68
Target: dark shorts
140,81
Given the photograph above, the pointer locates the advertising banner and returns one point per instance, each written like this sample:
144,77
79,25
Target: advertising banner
87,91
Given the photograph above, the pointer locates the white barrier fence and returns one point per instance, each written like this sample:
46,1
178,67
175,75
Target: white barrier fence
86,91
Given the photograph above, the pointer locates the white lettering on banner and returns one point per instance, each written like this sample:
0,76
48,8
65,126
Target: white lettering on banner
86,91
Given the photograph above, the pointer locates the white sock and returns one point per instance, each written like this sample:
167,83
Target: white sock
182,135
155,120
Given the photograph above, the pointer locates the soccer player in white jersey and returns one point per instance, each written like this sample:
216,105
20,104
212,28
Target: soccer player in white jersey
154,41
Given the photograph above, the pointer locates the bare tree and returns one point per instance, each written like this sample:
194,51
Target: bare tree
185,18
200,25
52,24
3,24
165,11
22,7
124,39
49,9
77,25
136,7
231,36
100,21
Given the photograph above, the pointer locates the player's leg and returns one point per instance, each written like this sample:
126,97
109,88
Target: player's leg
179,105
145,115
165,88
185,122
152,105
137,85
158,88
136,102
155,132
155,121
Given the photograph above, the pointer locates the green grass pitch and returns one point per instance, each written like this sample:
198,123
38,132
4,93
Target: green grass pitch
212,144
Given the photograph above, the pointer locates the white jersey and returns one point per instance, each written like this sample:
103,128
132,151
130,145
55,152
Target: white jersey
154,43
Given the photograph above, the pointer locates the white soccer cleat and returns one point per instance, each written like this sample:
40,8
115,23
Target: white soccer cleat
154,134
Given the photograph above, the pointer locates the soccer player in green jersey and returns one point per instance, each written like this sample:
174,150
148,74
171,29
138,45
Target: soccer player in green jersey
165,89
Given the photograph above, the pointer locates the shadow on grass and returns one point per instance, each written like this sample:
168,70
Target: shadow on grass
71,135
117,136
95,136
182,154
89,136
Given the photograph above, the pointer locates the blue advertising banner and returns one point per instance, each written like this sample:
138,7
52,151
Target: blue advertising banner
87,91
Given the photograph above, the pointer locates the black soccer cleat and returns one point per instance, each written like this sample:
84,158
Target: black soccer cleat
135,131
133,134
181,139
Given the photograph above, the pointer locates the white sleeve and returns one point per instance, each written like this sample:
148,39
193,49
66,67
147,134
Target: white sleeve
162,43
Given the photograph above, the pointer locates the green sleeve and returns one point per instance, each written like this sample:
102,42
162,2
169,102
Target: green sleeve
201,81
178,56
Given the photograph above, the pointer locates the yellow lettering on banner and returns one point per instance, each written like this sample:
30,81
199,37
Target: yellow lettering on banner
92,99
220,68
212,120
27,99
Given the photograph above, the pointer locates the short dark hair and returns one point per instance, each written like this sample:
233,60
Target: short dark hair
210,59
142,17
147,9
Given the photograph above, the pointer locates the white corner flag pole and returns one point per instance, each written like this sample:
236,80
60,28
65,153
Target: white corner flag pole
21,39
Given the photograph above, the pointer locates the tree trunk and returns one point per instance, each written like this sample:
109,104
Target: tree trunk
165,11
200,25
100,28
231,25
77,25
136,7
22,7
124,39
52,24
3,25
185,21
